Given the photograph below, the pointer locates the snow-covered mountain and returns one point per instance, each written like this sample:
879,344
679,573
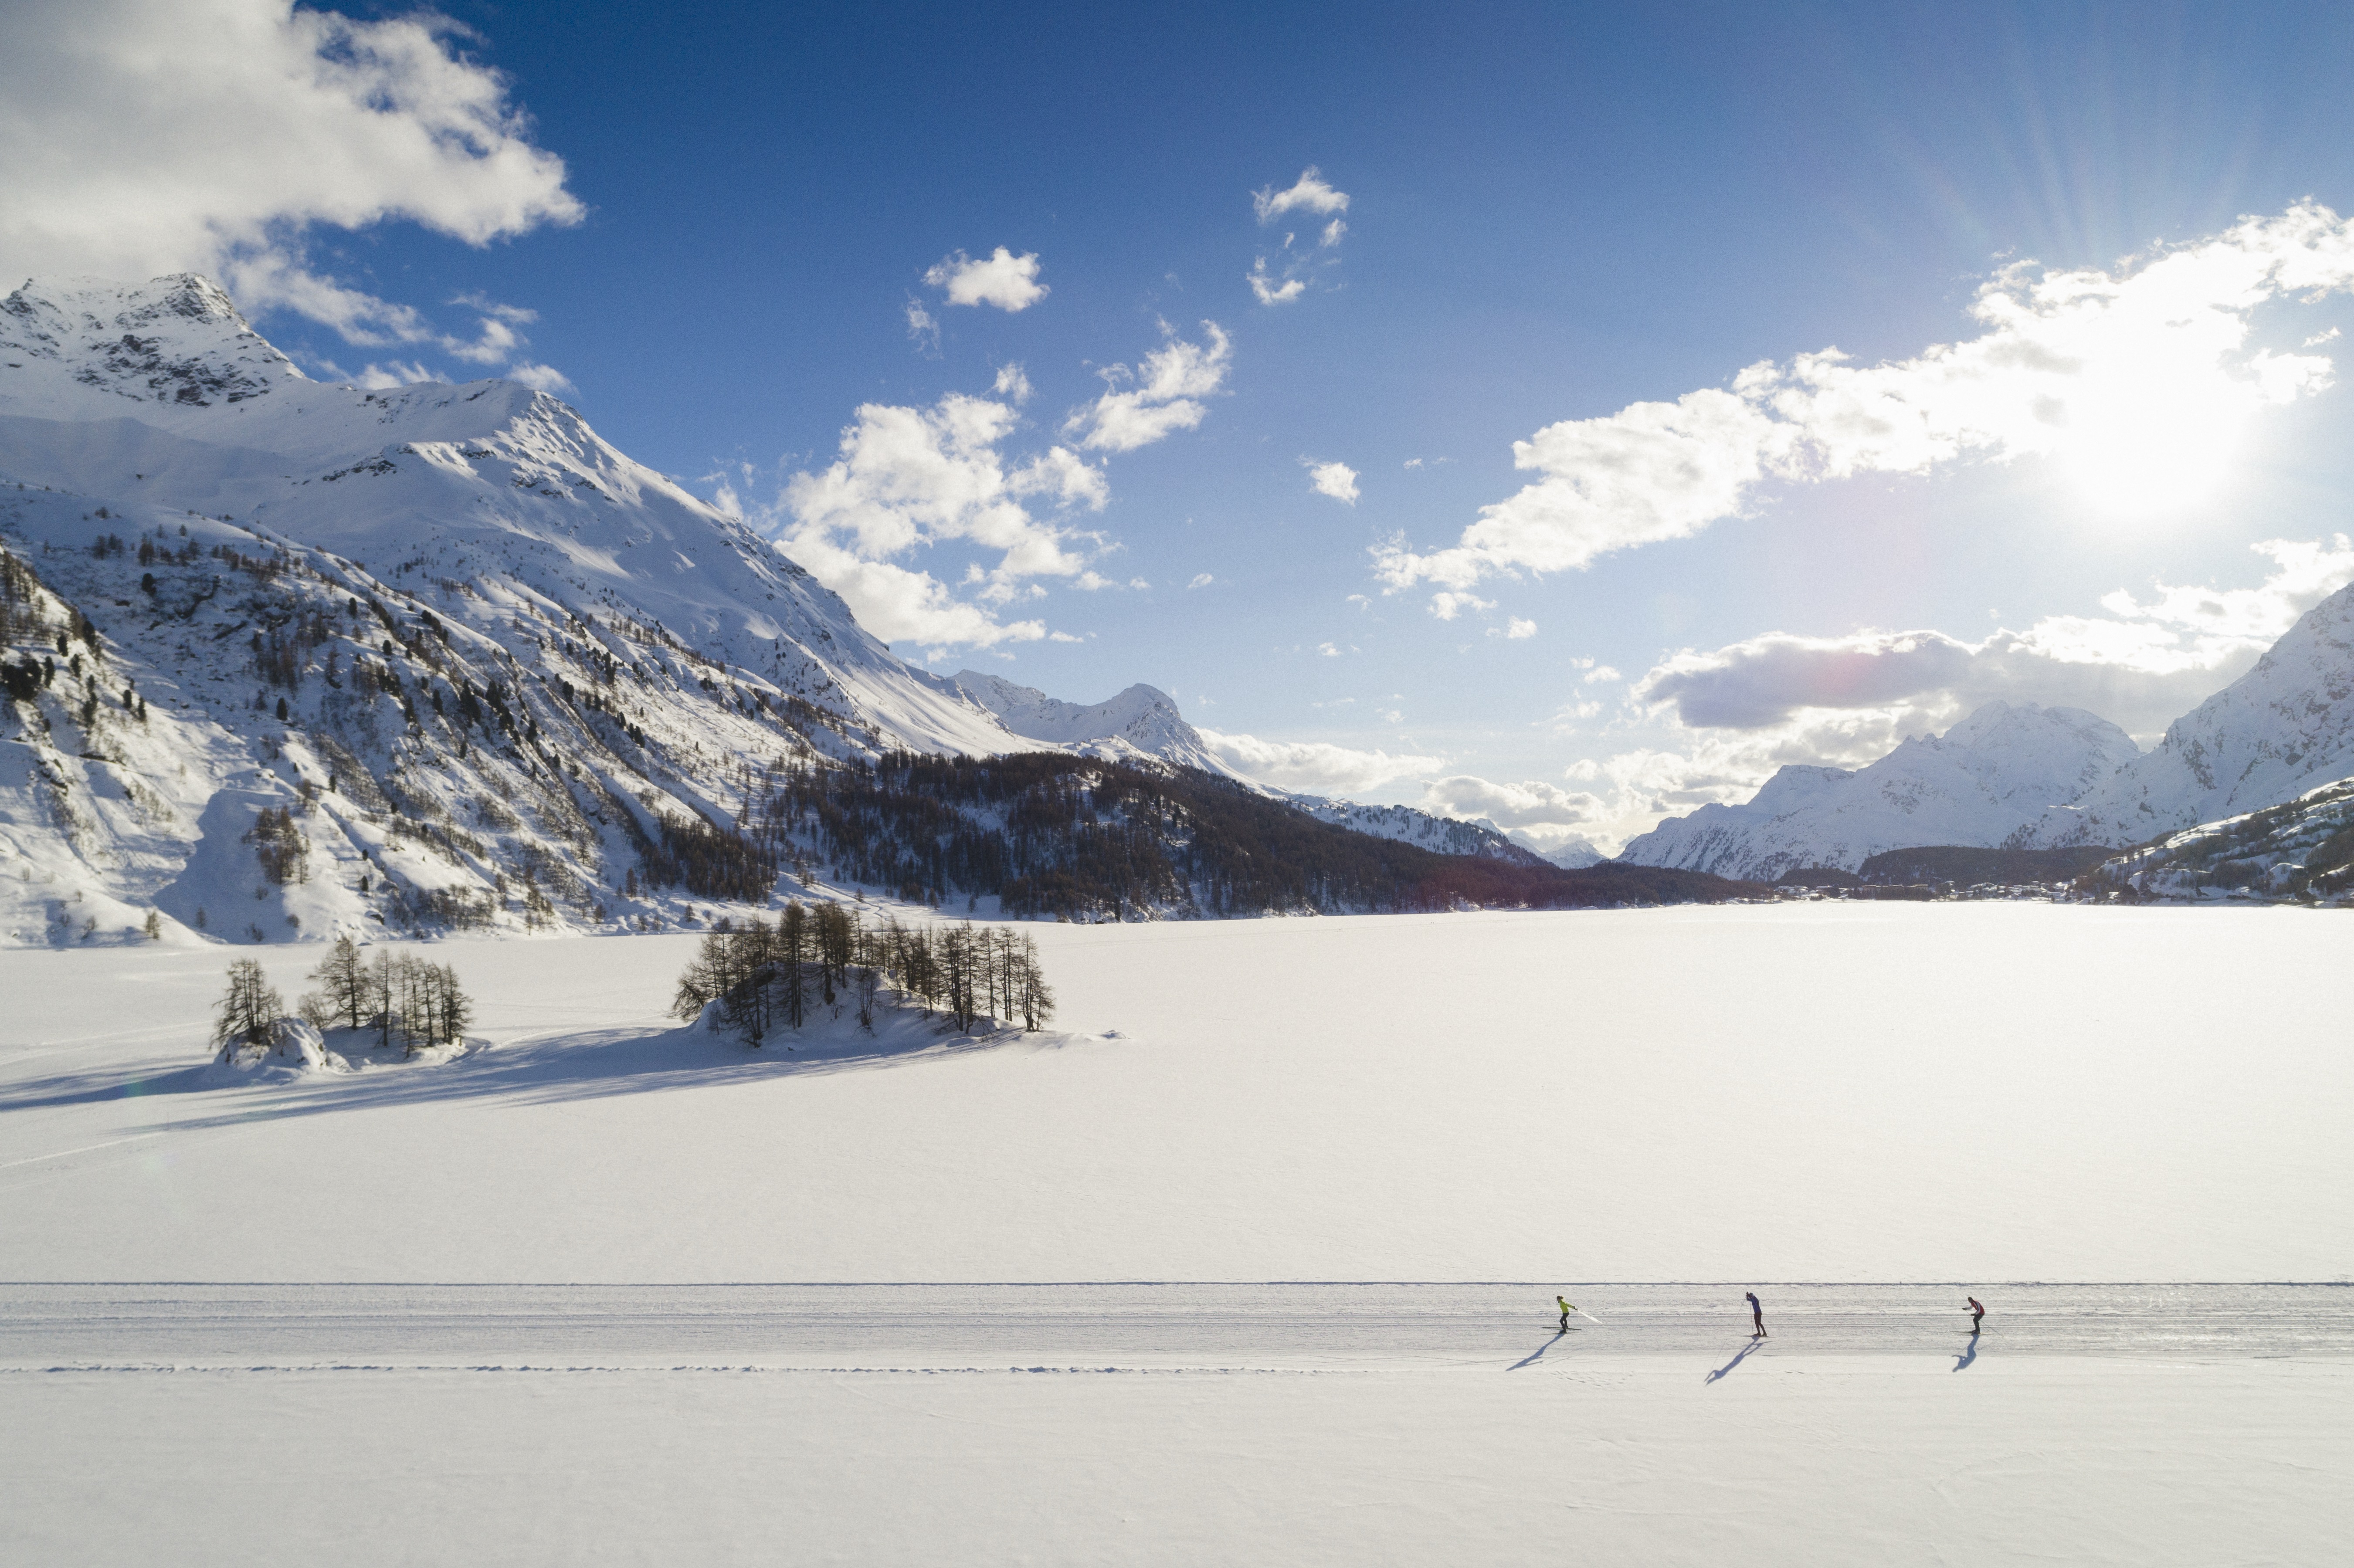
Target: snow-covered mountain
1142,721
287,658
1978,784
1440,835
2283,729
485,662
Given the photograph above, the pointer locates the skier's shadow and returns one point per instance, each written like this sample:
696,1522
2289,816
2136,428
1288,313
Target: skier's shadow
1746,1351
1967,1356
1538,1354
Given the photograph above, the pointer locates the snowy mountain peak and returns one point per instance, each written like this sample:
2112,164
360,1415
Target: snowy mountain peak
488,660
1978,784
84,346
1141,721
2283,727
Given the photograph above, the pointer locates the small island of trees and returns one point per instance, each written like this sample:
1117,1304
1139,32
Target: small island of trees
766,976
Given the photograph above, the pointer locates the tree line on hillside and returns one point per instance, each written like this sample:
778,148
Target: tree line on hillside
1079,838
764,975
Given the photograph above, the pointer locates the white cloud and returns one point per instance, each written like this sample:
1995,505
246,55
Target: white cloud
2138,379
1336,479
1318,767
1001,279
1447,606
1298,263
921,328
1600,672
1202,579
1310,192
1012,385
1163,394
1525,805
540,377
1514,628
1328,650
915,478
1268,291
383,377
147,136
2140,667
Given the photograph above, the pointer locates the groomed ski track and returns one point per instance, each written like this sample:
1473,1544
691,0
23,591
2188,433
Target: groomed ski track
1139,1326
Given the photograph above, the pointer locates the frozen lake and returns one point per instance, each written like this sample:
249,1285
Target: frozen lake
1939,1092
606,1293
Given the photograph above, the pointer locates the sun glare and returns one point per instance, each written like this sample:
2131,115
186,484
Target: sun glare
2153,448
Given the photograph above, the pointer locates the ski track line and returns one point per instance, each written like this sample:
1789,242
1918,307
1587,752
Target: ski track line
86,1149
721,1369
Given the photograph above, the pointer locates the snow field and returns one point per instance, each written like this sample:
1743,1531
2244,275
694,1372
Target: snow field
1965,1093
1945,1092
1807,1462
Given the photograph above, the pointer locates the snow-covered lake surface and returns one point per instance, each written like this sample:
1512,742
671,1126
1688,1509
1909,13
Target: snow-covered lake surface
1820,1092
605,1291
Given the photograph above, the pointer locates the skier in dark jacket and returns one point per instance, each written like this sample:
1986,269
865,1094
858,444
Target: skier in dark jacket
1757,1316
1976,1312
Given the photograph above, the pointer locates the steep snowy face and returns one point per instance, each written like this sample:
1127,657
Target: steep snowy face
162,394
2279,730
1142,721
84,348
1978,784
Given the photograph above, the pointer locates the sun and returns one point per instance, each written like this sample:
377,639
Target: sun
2151,436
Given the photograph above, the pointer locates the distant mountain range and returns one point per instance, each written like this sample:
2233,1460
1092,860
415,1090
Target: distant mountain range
2027,777
1142,723
1979,783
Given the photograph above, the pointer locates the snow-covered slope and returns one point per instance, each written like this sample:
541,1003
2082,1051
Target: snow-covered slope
1978,784
1440,835
2279,730
2301,848
508,656
1142,721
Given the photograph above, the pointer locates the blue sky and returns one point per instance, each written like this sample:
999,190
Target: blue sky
711,229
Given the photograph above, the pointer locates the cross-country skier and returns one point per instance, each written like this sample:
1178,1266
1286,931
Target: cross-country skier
1757,1316
1565,1310
1976,1312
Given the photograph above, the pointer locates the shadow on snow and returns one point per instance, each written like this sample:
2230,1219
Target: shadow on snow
1746,1351
583,1064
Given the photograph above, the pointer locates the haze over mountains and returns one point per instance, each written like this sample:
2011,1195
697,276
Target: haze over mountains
2032,778
1980,782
